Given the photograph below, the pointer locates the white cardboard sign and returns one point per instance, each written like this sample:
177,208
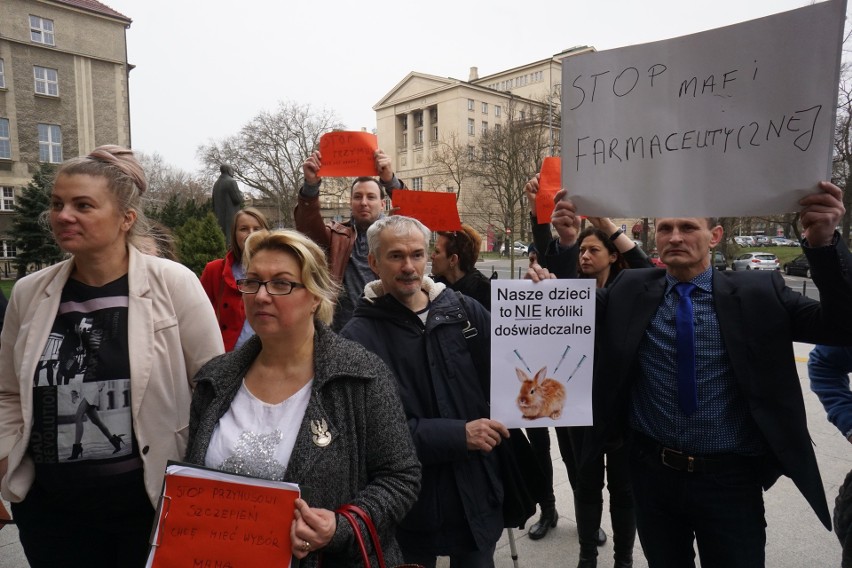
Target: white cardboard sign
734,121
544,329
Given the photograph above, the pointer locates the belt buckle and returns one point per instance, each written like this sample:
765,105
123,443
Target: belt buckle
690,461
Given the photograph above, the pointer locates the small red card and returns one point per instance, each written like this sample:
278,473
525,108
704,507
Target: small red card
435,209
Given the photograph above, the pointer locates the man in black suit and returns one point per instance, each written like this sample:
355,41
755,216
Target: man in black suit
695,368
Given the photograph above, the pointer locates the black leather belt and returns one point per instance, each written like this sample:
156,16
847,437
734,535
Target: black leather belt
682,461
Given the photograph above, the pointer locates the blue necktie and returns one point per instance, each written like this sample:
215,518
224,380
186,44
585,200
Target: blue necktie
687,390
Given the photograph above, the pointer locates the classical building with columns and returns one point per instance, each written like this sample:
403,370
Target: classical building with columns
63,89
425,117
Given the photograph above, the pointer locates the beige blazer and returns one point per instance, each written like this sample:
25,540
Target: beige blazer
172,332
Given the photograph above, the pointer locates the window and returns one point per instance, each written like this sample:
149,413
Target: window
46,81
523,115
470,104
471,153
2,75
49,143
41,30
417,183
418,136
9,249
434,133
434,115
418,118
5,139
484,108
8,201
405,138
405,122
471,127
484,128
498,111
497,127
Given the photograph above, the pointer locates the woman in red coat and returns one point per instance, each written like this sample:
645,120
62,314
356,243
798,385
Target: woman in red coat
220,276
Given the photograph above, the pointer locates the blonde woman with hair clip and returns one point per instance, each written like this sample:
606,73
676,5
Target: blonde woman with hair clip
87,423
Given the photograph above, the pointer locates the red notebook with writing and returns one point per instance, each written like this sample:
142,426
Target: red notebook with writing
210,518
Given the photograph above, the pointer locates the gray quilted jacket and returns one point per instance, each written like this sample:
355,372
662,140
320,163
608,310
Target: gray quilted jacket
370,460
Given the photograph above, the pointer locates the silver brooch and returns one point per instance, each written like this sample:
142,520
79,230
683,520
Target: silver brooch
322,437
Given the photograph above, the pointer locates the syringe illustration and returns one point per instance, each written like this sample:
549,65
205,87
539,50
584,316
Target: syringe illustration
564,353
522,361
583,358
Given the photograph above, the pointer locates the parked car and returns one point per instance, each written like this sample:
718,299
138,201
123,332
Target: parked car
719,260
655,259
518,249
798,266
785,242
744,241
762,241
756,261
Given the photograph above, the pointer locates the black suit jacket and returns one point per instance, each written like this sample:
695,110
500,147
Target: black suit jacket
759,319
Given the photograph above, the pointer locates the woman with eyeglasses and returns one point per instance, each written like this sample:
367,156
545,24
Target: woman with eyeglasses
298,403
220,276
454,264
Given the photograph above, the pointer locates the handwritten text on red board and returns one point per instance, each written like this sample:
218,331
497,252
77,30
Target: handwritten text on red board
348,154
207,522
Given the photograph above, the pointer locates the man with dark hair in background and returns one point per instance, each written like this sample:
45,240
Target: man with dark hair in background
346,243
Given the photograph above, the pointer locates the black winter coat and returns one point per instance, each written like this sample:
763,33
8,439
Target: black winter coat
441,375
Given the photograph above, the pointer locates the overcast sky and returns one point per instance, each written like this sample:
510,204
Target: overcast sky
203,69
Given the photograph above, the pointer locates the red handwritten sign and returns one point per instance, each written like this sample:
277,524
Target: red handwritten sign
211,522
549,184
348,154
435,209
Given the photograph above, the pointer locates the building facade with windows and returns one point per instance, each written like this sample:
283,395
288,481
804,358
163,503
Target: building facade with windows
63,89
424,115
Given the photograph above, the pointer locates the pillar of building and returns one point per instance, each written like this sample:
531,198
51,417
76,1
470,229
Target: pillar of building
427,132
409,149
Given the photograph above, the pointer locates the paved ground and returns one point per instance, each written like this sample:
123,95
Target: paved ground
795,537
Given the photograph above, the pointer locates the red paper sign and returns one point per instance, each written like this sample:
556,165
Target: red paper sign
211,522
347,154
549,184
435,209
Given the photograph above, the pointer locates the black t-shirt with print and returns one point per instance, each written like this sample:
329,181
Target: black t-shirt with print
82,433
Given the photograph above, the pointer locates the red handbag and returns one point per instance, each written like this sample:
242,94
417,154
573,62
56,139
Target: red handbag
349,512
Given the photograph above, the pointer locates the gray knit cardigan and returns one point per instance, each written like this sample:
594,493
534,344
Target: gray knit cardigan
370,460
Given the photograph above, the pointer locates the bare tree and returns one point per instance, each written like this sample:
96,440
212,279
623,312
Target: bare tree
452,164
268,152
506,158
842,164
166,180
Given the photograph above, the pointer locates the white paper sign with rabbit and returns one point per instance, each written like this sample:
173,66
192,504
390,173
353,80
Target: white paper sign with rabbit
542,352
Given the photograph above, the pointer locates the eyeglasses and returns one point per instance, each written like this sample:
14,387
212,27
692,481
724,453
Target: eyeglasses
273,287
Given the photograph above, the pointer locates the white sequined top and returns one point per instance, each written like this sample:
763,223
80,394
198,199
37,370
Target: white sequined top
256,438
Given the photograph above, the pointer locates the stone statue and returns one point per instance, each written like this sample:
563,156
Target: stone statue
227,200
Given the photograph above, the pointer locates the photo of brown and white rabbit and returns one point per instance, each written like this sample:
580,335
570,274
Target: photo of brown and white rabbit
540,396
